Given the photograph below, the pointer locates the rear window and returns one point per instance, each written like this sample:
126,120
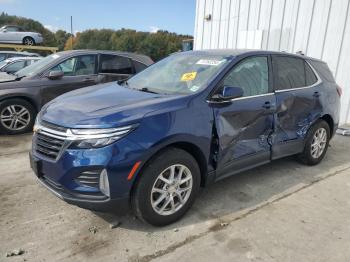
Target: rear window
288,72
2,57
309,75
139,66
323,70
113,64
291,72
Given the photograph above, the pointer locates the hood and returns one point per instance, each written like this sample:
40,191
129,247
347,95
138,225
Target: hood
103,106
5,77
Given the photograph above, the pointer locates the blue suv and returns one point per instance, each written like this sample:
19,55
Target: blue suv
187,121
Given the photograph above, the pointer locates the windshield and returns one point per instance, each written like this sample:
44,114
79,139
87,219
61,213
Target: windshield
182,73
36,67
3,63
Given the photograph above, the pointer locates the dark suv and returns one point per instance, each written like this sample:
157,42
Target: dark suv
187,121
24,93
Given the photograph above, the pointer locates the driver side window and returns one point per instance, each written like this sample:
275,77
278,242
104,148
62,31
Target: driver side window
75,66
251,74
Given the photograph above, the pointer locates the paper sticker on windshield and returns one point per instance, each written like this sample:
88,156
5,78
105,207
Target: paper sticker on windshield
189,76
194,88
210,62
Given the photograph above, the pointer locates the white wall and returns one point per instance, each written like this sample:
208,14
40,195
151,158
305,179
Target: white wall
318,28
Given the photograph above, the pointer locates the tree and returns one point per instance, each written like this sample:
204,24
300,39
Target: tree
156,45
61,37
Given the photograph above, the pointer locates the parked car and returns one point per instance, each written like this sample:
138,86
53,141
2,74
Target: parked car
187,121
12,65
22,95
13,34
9,54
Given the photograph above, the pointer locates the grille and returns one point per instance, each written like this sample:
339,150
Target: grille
89,178
50,140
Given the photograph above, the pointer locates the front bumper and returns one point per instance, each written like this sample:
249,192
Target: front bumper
61,176
38,39
88,202
97,202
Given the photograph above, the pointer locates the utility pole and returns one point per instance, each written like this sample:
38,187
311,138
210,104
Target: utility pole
71,31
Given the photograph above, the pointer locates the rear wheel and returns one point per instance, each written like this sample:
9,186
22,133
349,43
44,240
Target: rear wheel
166,188
28,41
316,144
17,116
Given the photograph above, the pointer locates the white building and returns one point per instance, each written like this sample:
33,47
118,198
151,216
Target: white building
318,28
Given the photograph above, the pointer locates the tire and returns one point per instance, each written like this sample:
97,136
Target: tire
308,156
17,116
161,164
28,41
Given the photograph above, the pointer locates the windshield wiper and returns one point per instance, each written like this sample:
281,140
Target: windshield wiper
18,77
145,89
121,82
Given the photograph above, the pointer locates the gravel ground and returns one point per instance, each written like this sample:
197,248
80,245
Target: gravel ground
283,211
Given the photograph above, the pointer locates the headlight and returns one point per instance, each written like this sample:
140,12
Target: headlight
94,138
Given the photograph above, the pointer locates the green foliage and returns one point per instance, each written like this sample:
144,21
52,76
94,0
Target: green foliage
156,45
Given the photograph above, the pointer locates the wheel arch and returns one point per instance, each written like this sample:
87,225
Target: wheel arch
25,98
329,120
190,148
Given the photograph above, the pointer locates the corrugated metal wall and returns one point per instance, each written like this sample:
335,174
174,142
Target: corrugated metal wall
318,28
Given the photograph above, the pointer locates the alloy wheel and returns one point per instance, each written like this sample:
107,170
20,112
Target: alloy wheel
15,117
319,142
171,190
28,41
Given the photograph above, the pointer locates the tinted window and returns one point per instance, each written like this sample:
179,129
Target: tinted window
309,75
75,66
252,75
29,62
139,66
12,29
115,64
323,70
2,57
289,72
15,55
14,67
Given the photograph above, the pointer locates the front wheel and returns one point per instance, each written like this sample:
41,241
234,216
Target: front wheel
166,188
17,116
316,143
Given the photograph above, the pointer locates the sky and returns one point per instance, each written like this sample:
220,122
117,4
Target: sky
143,15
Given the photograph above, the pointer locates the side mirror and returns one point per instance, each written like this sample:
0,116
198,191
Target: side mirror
4,31
54,75
228,93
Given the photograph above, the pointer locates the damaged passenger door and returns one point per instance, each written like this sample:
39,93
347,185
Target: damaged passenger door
243,125
298,103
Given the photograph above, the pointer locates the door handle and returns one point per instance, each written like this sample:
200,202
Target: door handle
267,105
317,94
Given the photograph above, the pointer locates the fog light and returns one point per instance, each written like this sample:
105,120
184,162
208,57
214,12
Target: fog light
104,184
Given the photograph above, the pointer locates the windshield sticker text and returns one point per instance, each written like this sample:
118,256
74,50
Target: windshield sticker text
189,76
210,62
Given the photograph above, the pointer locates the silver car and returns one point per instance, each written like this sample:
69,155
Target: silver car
12,65
16,35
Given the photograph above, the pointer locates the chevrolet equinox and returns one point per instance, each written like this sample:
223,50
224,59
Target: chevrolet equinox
187,121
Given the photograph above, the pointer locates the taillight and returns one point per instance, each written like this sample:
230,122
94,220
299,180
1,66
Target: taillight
339,90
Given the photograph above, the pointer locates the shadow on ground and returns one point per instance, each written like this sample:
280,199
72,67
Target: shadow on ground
248,189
